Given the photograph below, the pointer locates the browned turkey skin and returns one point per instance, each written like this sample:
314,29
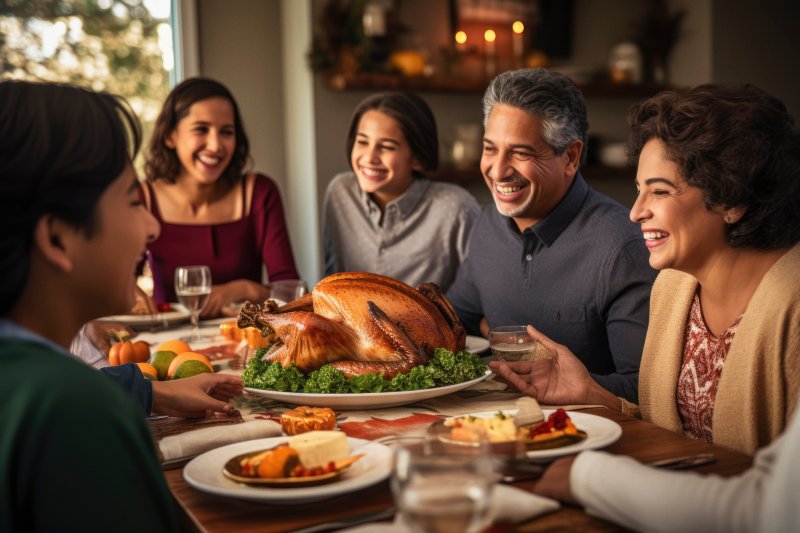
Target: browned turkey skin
360,323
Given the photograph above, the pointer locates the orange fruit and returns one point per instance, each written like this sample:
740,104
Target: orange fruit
148,370
129,352
191,368
175,345
161,362
187,356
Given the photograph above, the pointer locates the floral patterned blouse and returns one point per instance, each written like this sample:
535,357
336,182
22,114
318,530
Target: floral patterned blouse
703,358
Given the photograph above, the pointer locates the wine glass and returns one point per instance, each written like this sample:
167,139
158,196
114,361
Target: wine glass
441,487
193,287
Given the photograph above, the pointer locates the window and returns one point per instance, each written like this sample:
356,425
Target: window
123,47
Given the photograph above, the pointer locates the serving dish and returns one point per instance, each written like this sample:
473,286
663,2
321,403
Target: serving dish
364,400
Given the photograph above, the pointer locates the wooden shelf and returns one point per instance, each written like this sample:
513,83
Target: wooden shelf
473,85
465,177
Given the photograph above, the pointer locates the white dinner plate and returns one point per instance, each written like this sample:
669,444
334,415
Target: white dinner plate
364,400
476,345
176,316
600,432
204,473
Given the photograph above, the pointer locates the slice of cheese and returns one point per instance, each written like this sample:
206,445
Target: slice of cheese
318,448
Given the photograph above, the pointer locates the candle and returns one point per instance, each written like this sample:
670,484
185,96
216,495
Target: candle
489,36
517,28
491,67
461,41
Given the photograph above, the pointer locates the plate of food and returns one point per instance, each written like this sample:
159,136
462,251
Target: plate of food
173,313
476,345
557,433
364,400
292,463
356,464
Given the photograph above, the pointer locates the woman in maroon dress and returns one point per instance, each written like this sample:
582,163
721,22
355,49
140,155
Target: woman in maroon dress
211,212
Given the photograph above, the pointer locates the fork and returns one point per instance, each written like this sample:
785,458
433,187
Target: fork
372,516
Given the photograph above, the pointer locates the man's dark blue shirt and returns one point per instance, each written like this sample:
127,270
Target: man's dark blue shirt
580,276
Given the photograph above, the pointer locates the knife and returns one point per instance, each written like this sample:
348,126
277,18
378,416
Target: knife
372,516
686,461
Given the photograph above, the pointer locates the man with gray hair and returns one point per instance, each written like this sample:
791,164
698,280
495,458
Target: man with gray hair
552,252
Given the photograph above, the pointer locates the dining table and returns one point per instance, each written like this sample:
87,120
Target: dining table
206,512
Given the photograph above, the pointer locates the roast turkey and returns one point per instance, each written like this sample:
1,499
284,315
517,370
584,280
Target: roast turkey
360,323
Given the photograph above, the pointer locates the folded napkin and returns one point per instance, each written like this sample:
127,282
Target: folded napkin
190,443
509,504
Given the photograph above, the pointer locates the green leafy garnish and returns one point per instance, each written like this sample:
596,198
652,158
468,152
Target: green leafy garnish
272,376
444,368
327,380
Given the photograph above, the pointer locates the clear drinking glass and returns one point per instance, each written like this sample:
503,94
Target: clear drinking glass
287,290
193,287
440,487
513,343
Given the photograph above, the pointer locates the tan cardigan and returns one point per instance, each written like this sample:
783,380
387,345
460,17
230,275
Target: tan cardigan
758,388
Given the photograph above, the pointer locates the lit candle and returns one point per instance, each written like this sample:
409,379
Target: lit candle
518,27
491,67
461,40
489,36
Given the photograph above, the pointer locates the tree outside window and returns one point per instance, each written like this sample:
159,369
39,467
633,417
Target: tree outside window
118,46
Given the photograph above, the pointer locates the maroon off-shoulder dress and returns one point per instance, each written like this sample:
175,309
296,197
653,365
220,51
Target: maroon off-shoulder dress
233,250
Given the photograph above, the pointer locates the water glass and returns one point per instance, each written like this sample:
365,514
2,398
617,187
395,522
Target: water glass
193,287
513,343
440,487
287,290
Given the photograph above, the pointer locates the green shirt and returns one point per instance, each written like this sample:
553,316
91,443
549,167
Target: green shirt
75,452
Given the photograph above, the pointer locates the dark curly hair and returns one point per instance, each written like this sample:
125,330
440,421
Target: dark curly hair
60,148
416,121
739,146
162,162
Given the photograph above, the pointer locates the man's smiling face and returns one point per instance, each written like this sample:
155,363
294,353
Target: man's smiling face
526,176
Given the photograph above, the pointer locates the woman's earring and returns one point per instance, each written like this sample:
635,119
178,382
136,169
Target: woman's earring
728,219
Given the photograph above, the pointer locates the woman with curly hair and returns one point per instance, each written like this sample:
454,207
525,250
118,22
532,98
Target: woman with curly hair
211,211
719,207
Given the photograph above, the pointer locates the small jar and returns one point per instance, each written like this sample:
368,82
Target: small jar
625,63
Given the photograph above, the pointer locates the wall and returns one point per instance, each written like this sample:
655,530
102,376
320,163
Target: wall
301,199
758,42
247,45
240,45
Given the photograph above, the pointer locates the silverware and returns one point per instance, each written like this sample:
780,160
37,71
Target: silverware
686,461
372,516
514,470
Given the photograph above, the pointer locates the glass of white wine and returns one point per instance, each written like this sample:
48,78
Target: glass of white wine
440,487
193,287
